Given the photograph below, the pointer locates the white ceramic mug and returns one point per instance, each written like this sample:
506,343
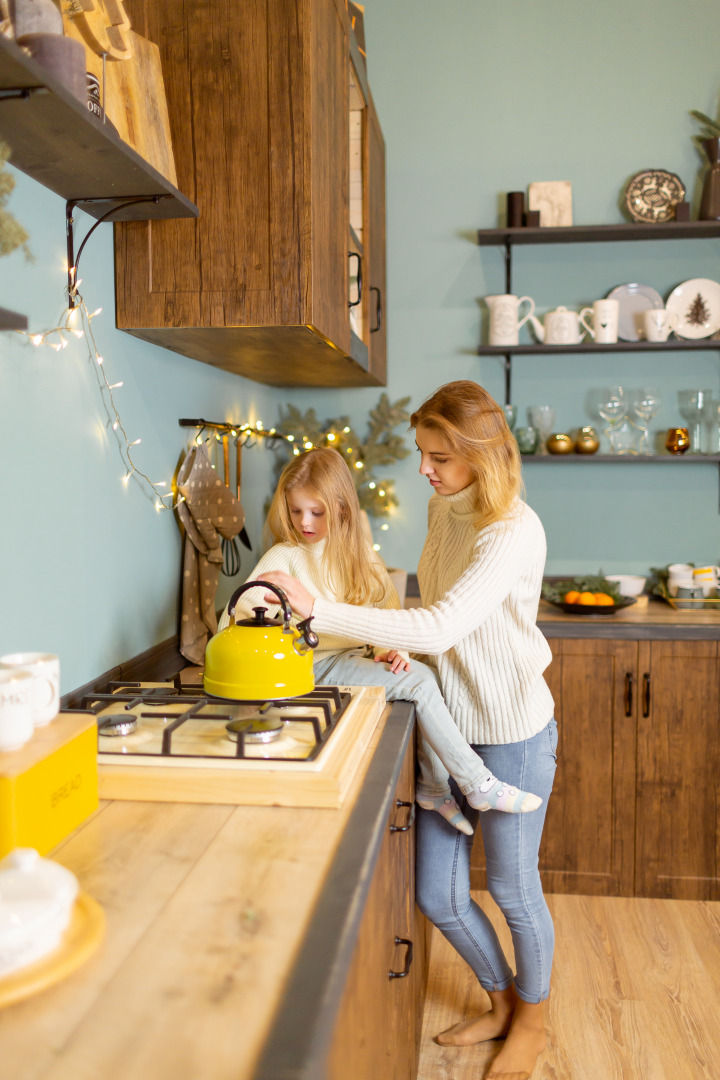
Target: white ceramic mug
45,671
658,322
504,321
707,578
604,325
16,708
680,576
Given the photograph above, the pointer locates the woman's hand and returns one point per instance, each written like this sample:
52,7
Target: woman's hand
395,659
301,601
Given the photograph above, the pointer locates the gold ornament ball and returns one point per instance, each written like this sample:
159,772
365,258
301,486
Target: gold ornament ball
560,443
587,441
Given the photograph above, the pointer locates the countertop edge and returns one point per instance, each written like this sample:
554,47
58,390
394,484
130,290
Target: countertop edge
611,629
302,1028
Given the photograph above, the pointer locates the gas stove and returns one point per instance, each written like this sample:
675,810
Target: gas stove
173,742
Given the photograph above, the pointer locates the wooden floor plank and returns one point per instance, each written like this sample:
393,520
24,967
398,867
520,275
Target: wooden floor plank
635,993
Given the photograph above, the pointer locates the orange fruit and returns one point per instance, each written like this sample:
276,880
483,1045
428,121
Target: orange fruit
586,598
604,599
572,597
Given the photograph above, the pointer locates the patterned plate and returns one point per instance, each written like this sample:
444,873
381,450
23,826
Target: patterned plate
697,304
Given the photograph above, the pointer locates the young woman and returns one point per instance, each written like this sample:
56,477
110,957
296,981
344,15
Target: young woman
316,524
480,576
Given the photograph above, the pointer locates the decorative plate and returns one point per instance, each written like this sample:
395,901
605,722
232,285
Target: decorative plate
633,300
593,609
651,195
697,304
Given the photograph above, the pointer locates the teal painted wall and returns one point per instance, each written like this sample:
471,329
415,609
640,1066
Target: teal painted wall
474,100
479,99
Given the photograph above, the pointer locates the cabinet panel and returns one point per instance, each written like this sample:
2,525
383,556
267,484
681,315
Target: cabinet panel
377,1033
376,269
678,767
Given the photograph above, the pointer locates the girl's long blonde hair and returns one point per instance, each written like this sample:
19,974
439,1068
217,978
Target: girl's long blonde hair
474,427
350,568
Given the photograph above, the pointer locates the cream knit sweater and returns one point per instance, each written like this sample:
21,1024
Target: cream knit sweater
305,562
480,594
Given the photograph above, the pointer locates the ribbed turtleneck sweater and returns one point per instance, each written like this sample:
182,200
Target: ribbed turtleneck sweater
306,563
480,591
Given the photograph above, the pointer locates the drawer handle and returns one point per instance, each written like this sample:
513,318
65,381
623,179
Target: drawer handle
629,681
408,959
378,310
356,255
646,694
411,817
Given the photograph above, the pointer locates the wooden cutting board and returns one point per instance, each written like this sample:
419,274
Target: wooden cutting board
135,99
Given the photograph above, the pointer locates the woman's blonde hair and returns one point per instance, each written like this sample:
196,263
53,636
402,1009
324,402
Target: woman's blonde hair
475,429
351,569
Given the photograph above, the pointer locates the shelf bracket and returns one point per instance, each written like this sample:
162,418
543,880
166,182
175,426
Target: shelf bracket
73,260
25,92
508,267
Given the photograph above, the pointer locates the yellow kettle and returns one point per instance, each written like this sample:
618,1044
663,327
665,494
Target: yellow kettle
260,659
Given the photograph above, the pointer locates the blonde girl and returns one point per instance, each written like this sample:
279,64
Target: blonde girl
317,529
480,576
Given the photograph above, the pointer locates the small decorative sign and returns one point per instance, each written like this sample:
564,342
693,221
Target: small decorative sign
553,198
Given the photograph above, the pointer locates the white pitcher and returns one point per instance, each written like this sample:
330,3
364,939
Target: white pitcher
504,321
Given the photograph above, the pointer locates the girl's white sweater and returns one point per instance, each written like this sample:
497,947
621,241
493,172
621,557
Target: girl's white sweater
305,562
480,593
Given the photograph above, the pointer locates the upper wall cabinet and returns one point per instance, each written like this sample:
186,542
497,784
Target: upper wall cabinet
282,277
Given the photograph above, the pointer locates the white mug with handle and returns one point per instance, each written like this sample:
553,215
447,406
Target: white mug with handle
658,322
604,325
504,321
45,671
16,709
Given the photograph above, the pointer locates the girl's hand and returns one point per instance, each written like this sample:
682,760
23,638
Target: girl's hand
394,659
301,601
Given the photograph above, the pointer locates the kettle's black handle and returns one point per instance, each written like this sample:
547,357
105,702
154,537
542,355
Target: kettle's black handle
285,603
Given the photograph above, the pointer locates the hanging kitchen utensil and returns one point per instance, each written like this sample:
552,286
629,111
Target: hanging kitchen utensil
229,548
238,474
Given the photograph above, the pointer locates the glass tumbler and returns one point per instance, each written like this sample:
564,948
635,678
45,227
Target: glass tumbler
694,407
542,418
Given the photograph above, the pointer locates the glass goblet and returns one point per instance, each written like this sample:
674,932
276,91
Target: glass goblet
645,402
694,407
542,418
608,402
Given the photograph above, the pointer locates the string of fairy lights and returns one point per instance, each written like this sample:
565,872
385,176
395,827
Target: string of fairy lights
76,321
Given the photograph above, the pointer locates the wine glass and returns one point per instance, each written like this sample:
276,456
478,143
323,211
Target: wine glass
694,406
542,418
645,402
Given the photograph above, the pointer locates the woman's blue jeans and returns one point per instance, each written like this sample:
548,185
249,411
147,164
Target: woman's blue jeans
511,844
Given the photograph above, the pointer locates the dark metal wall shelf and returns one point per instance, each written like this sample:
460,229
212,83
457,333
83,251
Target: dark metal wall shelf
58,142
675,345
624,459
589,234
10,320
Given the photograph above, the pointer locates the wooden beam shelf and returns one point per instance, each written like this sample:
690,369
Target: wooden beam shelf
56,140
11,320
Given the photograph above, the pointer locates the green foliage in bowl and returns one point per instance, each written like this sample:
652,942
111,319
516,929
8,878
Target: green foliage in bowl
555,591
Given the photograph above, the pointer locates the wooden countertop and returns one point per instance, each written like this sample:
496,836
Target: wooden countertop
215,916
647,620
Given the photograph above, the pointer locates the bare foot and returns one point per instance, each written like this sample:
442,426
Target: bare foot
493,1024
524,1043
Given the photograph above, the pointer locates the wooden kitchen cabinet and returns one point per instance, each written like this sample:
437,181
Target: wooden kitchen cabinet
379,1022
259,99
635,802
678,785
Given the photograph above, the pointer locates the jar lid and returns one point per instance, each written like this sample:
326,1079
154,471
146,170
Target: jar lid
33,892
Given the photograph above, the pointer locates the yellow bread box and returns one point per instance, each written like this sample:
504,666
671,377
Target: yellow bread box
50,785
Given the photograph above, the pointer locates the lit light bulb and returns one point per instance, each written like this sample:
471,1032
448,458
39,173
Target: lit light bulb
381,493
384,528
135,442
308,445
296,452
359,465
116,385
36,339
258,425
346,429
372,485
115,426
99,359
291,438
376,547
330,437
349,450
95,312
126,478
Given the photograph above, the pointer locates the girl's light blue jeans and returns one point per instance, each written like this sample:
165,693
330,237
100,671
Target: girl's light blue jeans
441,747
511,844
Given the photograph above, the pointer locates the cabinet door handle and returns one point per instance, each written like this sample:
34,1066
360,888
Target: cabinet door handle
378,310
408,958
629,682
358,256
646,694
411,817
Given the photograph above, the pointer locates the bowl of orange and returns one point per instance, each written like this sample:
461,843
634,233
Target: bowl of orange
594,595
